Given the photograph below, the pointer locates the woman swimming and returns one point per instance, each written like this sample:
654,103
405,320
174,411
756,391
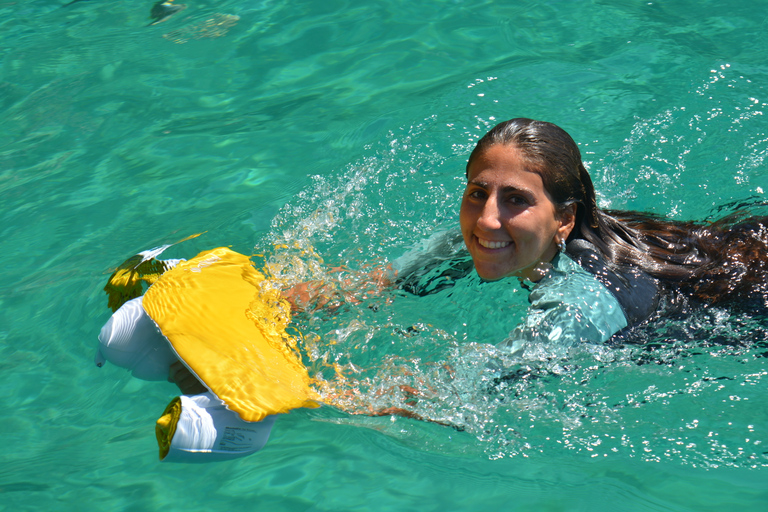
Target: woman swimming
529,210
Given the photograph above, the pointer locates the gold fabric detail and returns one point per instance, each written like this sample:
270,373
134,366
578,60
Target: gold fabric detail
125,283
166,426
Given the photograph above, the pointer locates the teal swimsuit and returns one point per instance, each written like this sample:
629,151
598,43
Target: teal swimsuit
568,306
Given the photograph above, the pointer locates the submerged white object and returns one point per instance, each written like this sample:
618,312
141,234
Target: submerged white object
130,339
206,431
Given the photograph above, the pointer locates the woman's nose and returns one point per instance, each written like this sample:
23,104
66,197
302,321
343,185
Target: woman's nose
489,216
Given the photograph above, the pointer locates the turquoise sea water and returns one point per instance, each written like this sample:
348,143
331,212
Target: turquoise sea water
343,127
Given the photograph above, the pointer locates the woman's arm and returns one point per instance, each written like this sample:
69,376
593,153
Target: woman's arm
343,286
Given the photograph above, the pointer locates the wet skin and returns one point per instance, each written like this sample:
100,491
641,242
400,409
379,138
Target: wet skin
509,222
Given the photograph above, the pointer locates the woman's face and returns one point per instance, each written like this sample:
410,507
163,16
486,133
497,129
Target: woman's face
509,222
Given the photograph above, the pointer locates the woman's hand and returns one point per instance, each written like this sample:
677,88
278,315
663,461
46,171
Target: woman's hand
350,286
313,295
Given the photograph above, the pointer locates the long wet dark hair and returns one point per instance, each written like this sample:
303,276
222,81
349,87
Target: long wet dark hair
723,261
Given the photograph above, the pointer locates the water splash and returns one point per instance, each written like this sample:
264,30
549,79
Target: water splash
685,389
689,160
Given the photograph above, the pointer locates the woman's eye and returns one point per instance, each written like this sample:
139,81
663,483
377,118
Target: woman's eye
518,200
477,194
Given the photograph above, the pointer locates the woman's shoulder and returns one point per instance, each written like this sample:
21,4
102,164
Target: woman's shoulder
568,305
637,292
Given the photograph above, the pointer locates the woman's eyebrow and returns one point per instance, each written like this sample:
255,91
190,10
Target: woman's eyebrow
504,189
477,183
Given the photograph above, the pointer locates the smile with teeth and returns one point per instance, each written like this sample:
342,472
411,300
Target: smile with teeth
490,244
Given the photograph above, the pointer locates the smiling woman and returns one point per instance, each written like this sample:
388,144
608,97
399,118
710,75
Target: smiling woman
529,210
509,222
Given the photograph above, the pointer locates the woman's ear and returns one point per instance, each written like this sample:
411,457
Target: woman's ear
567,218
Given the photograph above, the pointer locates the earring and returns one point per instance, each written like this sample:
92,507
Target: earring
561,245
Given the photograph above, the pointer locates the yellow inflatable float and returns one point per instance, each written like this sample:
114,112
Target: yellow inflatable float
224,321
